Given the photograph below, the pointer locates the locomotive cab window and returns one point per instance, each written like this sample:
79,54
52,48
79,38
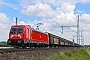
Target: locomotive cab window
17,30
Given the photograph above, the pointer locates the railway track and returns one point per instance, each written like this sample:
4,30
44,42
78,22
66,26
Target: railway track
8,54
10,50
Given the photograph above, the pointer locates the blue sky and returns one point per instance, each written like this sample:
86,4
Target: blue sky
52,13
85,8
11,12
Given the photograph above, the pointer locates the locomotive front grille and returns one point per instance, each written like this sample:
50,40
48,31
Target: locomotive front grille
15,42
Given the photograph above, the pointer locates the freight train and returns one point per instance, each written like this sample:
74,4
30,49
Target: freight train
24,36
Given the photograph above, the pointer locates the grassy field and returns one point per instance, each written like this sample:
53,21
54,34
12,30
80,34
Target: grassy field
88,49
77,54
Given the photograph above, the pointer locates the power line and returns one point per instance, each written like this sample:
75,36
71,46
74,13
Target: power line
23,14
21,6
72,30
68,27
37,7
16,11
16,4
78,34
44,13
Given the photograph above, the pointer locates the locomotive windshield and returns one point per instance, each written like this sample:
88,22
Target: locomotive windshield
16,30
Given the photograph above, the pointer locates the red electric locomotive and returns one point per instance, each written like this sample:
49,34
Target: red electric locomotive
25,36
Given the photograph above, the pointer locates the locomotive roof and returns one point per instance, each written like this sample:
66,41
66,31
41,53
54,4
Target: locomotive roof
20,25
30,27
17,25
39,31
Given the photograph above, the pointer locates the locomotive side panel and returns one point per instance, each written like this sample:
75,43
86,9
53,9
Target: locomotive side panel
39,36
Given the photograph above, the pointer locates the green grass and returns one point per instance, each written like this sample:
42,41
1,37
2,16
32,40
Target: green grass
88,48
76,54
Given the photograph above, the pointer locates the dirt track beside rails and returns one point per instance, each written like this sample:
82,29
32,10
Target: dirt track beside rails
32,53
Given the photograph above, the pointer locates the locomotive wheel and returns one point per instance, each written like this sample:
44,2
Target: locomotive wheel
23,46
16,47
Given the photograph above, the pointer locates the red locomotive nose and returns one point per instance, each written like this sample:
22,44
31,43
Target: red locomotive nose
16,32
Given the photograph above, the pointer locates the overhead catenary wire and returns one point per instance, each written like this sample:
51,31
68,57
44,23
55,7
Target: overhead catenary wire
16,4
56,18
45,14
37,7
68,27
20,6
25,15
30,18
72,30
17,12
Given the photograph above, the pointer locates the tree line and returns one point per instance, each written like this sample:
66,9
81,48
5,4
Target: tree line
3,44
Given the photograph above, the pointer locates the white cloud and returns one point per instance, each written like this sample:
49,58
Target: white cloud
63,15
66,8
85,18
4,26
25,3
38,10
79,11
60,2
4,20
8,5
84,1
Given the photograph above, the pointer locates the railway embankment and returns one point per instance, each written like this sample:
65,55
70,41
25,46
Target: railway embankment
49,54
30,54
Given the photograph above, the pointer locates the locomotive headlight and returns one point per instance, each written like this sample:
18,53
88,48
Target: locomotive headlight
11,36
19,35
